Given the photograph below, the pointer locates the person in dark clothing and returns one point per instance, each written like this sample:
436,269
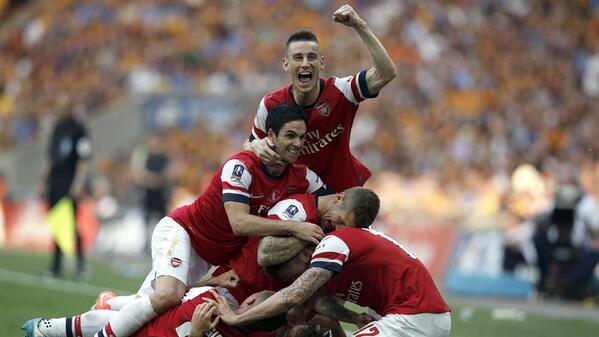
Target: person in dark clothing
68,155
152,177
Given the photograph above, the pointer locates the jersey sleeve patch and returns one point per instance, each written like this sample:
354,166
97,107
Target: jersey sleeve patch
236,181
288,209
330,254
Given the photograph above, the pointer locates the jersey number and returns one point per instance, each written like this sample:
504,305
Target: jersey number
385,236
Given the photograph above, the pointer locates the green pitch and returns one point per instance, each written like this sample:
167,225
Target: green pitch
24,295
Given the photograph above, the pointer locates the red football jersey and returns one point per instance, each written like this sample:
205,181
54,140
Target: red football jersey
242,178
326,149
373,270
176,322
252,279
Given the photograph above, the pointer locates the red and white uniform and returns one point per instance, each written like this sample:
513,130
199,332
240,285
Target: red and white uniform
242,179
373,270
252,279
326,149
297,207
177,321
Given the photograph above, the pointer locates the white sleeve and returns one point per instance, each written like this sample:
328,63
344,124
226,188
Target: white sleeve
315,183
289,209
236,180
260,120
331,253
344,85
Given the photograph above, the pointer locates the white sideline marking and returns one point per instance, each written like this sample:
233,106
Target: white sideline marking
36,281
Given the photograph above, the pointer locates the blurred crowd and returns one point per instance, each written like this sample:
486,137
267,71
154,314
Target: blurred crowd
484,87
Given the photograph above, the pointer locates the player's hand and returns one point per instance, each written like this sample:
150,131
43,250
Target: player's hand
347,15
224,311
308,232
264,149
202,318
360,320
229,279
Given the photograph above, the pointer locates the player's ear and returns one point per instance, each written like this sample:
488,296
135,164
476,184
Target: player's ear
322,62
285,64
339,197
272,135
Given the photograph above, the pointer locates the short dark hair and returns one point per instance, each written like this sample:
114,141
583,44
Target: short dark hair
282,114
301,35
364,203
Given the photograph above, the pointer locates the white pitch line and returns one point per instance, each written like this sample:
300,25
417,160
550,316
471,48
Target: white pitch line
36,281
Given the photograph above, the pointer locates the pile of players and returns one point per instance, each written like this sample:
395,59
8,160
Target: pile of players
283,228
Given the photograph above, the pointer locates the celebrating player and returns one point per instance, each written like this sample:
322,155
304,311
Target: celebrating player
371,270
331,104
194,317
329,211
210,230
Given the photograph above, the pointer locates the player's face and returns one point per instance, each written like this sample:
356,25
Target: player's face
337,216
304,62
289,141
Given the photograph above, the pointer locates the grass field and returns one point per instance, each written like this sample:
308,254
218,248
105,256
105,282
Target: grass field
24,295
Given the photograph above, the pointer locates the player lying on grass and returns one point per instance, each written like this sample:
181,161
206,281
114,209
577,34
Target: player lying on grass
183,320
194,317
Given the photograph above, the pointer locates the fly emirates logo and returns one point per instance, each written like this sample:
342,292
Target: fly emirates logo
315,143
353,293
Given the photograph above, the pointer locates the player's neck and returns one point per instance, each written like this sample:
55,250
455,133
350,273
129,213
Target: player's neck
325,202
274,170
306,98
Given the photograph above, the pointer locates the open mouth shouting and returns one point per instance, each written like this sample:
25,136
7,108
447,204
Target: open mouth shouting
304,78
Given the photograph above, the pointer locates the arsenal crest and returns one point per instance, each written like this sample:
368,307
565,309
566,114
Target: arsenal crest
175,262
323,108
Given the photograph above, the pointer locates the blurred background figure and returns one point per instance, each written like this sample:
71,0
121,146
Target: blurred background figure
150,170
69,152
564,243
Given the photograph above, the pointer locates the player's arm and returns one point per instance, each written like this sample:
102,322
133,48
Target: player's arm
274,250
331,307
384,70
298,292
245,224
230,279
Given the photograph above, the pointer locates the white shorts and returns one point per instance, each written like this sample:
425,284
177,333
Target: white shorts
417,325
173,255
